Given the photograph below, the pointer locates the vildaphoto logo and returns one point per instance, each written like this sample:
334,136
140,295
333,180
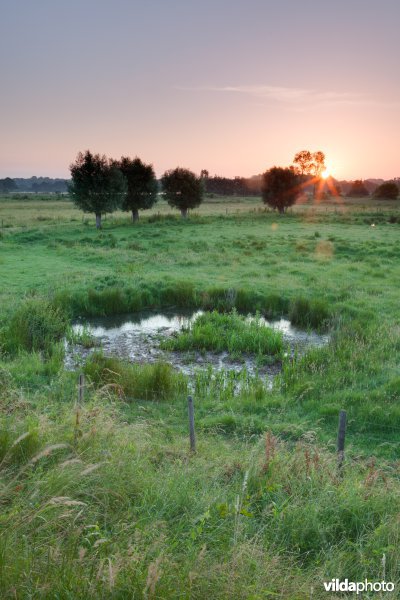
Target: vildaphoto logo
335,585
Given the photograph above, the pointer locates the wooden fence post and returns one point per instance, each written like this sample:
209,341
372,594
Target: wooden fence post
81,388
341,439
81,391
191,424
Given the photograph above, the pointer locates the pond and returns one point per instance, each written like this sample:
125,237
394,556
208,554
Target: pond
137,338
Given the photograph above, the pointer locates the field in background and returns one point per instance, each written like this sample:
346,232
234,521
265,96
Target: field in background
106,501
27,210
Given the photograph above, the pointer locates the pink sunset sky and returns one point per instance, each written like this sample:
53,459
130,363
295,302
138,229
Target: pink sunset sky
231,87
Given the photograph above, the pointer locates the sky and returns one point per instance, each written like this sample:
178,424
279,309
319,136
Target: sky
234,87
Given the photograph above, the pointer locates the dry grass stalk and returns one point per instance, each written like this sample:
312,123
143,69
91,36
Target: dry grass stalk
153,576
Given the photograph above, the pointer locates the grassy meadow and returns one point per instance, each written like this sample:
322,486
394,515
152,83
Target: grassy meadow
104,499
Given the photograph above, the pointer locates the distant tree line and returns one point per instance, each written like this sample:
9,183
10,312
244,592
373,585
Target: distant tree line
359,188
238,186
50,187
34,184
7,185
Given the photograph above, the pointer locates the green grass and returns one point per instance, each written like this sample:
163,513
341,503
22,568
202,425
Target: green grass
228,332
310,313
105,500
34,327
95,493
135,382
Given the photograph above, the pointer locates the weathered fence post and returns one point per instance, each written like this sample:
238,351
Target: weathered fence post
191,424
341,438
81,388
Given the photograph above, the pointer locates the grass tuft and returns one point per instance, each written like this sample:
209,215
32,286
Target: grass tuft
310,313
156,381
34,327
228,332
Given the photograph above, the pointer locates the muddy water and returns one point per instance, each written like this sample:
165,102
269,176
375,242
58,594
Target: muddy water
137,338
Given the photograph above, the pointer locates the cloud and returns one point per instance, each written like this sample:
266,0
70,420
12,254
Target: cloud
295,98
285,94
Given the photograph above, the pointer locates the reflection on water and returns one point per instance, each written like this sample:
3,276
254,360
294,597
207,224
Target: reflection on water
116,326
112,327
137,338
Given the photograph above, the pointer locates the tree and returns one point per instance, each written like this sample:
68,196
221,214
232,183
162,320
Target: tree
387,190
318,165
182,189
97,186
310,163
280,188
358,189
303,161
8,185
142,185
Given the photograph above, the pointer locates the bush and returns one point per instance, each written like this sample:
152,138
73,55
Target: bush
35,327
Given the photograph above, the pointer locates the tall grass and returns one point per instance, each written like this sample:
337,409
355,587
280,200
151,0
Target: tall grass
120,509
310,312
230,332
156,381
34,327
111,300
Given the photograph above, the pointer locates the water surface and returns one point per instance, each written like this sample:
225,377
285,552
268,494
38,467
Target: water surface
137,338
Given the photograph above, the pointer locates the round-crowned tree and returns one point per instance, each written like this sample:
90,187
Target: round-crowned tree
280,188
182,189
387,191
142,185
97,185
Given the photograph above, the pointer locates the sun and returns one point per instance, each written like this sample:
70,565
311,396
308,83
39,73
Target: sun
325,174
